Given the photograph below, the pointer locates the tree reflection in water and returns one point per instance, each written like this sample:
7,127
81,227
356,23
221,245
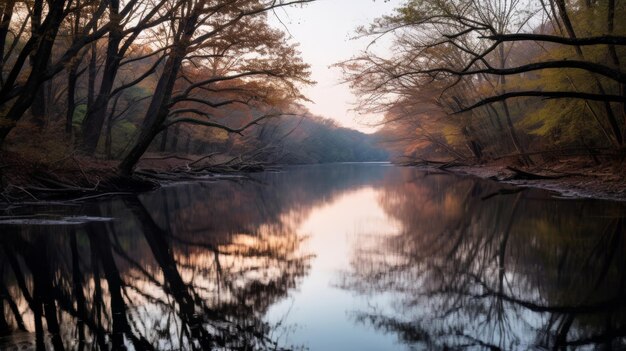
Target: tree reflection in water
505,272
137,284
189,267
197,266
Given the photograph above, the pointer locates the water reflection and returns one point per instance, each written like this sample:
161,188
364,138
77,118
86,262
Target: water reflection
504,272
356,256
201,281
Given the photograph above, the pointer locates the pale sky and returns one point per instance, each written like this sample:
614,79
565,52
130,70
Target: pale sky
323,29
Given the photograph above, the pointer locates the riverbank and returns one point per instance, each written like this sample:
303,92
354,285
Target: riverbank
70,178
75,177
569,179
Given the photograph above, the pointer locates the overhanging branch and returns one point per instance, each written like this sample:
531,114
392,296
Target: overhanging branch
598,40
217,125
545,95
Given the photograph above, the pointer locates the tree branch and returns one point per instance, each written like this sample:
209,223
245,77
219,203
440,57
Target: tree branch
546,95
217,125
598,40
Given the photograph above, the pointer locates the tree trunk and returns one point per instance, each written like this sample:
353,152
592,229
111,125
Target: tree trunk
96,113
47,36
615,58
38,107
5,20
567,23
109,140
157,110
72,78
93,72
519,148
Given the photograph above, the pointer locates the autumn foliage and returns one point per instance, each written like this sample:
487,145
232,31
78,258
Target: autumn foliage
492,79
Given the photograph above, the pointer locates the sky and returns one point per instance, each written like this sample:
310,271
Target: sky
324,28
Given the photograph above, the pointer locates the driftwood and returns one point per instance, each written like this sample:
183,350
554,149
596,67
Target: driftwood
519,174
202,159
197,169
193,171
47,186
173,176
177,157
412,162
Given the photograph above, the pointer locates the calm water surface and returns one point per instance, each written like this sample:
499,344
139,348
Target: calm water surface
333,257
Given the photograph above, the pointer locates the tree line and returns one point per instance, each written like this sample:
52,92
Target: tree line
298,138
487,79
73,73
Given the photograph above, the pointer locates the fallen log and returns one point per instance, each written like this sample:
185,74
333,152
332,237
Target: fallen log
52,189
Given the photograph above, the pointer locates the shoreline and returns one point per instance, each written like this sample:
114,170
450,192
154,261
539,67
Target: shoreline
568,180
593,184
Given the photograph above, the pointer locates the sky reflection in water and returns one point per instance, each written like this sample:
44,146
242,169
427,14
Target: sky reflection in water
335,257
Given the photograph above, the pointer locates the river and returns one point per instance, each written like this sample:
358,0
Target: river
328,257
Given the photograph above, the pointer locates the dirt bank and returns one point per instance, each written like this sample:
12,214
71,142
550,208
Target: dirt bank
70,178
76,177
570,179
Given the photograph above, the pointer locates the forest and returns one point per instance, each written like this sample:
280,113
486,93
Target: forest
93,91
166,182
89,87
523,82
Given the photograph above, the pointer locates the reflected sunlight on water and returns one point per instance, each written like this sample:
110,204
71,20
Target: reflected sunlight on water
318,313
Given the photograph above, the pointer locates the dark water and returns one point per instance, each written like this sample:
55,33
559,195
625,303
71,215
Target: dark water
337,257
